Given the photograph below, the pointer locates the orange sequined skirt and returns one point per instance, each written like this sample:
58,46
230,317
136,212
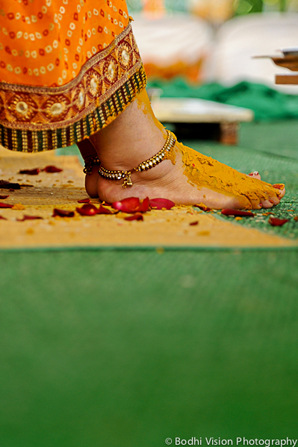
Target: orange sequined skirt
67,69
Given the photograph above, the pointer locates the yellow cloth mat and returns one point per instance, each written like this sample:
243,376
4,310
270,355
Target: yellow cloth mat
63,190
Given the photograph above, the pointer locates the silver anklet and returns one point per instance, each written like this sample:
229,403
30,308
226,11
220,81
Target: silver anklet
144,166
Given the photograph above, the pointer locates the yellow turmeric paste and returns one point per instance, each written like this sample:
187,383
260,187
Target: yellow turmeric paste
203,171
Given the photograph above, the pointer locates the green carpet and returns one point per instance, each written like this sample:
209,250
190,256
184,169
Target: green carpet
128,348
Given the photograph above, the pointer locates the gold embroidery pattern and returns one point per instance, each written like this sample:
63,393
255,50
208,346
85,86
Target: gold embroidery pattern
40,118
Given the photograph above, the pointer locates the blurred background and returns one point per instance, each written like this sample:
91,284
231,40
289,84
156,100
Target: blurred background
212,43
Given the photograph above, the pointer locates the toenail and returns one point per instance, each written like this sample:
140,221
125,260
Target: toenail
278,186
254,173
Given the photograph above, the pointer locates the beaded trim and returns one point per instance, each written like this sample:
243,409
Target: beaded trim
144,166
89,164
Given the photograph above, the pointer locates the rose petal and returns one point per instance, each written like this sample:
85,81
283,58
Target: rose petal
194,223
7,185
2,218
231,212
84,201
87,210
3,197
136,216
159,204
51,169
104,210
276,222
5,205
203,207
34,171
144,206
62,213
129,205
25,217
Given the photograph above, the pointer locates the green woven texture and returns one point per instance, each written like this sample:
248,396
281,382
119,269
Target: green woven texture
128,348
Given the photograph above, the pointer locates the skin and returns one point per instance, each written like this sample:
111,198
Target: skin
185,177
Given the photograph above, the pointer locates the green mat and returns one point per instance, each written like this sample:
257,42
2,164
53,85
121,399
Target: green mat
130,348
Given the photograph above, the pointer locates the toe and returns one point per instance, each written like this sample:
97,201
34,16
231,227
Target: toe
267,204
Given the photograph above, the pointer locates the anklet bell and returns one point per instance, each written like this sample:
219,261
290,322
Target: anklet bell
144,166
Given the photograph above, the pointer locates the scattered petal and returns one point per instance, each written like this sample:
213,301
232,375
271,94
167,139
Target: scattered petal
8,185
104,210
196,222
26,217
51,169
84,201
144,206
62,213
203,207
3,197
129,205
231,212
87,210
276,222
2,218
34,171
296,218
267,214
159,204
136,216
5,205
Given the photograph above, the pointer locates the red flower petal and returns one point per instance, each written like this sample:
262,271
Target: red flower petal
51,169
84,201
2,218
231,212
87,210
62,213
7,185
194,223
5,205
276,222
3,197
104,210
26,217
129,205
159,204
35,171
144,206
136,216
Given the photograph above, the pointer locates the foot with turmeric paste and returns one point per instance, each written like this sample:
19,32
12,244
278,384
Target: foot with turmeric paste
184,176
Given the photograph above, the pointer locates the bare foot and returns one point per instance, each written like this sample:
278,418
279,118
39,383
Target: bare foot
185,177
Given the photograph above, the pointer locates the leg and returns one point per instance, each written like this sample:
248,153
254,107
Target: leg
186,177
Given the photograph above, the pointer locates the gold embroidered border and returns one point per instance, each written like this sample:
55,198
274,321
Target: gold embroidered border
37,118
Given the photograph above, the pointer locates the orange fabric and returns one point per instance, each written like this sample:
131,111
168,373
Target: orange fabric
46,42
